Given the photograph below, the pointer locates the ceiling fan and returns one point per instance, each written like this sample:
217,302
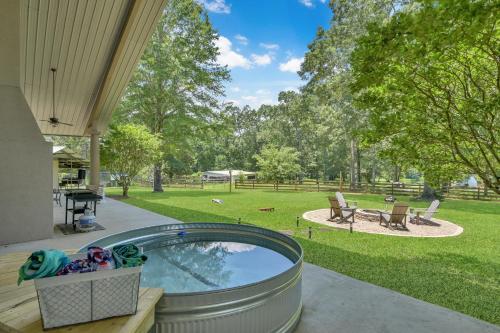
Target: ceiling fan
54,121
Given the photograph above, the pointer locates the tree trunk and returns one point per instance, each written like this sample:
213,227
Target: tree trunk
157,187
125,191
397,173
358,165
428,193
353,164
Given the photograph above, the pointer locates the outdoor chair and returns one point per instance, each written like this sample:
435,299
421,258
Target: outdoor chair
342,213
420,215
57,196
334,208
398,216
341,200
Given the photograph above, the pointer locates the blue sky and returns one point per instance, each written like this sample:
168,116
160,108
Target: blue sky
263,43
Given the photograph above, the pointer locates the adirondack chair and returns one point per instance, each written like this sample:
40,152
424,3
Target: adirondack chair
342,213
424,215
335,210
397,216
341,200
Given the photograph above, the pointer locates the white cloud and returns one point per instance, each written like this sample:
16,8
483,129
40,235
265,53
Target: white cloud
241,39
269,46
231,247
307,3
216,6
249,98
234,102
263,92
256,101
322,1
235,89
229,57
292,65
261,60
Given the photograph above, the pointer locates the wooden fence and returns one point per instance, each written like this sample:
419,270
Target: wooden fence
185,183
388,188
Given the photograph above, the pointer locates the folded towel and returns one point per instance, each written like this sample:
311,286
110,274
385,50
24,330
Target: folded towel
103,258
97,259
43,263
78,266
128,255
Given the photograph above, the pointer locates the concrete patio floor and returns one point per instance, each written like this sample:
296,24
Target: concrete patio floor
337,303
113,215
332,302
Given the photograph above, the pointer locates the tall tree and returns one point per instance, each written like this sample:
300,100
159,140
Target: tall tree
430,79
328,69
176,86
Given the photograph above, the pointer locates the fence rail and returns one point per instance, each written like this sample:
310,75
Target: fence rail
388,188
185,183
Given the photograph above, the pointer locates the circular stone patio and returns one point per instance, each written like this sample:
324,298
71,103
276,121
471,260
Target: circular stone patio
439,228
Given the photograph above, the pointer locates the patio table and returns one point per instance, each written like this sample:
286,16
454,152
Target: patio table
80,197
70,192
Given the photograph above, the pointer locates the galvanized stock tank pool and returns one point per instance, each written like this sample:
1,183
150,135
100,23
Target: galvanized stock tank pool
220,277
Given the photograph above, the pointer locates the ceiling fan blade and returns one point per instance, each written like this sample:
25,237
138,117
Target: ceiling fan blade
60,122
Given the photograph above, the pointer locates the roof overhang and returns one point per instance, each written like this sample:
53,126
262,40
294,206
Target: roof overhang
68,159
95,47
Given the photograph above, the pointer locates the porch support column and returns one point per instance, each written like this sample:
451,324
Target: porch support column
94,159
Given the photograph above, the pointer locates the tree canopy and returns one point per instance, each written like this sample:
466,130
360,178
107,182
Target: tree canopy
429,79
126,150
277,164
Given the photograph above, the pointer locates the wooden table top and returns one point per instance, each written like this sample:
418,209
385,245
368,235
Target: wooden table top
19,311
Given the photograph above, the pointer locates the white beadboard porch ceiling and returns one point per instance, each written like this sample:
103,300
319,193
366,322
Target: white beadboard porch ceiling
94,45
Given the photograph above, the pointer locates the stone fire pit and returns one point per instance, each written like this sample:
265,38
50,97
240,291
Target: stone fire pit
370,215
367,220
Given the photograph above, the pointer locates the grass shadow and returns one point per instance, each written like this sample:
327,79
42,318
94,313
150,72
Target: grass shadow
190,193
183,214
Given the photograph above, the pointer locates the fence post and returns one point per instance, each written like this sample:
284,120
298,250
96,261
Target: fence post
392,188
478,192
317,183
253,184
202,184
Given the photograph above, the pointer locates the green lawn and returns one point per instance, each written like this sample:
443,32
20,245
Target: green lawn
461,273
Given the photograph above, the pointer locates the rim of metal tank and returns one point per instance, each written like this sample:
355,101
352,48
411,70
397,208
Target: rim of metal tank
165,229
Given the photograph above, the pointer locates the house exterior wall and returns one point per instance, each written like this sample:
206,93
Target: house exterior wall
26,211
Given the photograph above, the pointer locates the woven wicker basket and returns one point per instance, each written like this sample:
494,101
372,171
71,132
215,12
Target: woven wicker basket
80,298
